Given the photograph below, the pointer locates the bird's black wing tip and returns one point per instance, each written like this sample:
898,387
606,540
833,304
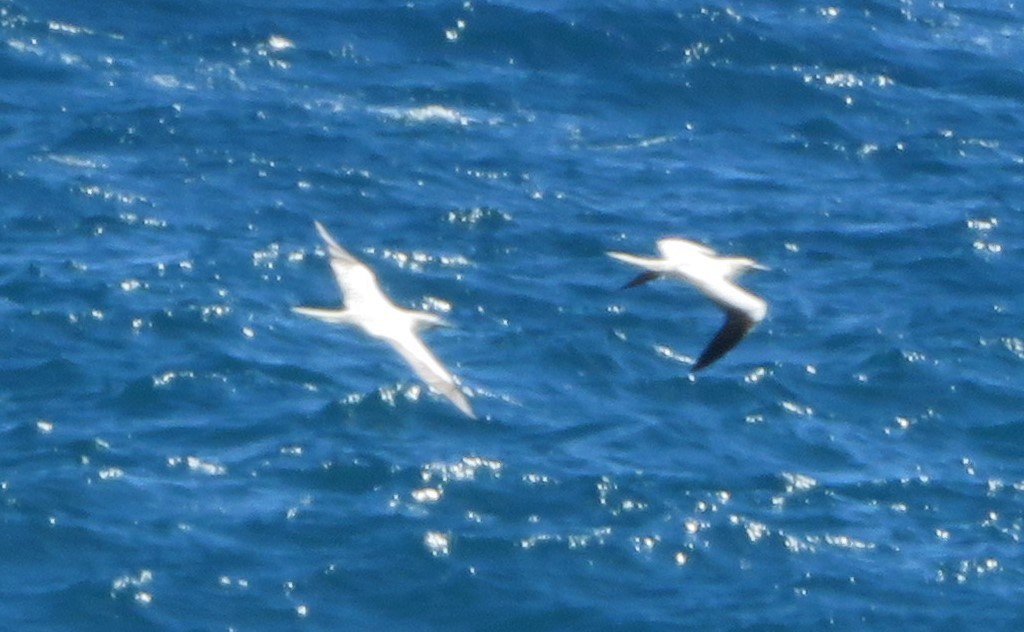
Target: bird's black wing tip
701,363
736,326
640,279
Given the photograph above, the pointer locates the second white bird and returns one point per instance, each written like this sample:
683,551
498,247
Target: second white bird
713,275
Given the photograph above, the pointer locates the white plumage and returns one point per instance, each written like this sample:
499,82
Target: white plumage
367,307
714,276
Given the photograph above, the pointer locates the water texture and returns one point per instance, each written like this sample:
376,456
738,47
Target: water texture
181,452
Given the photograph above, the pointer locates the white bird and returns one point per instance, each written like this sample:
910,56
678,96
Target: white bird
367,307
713,276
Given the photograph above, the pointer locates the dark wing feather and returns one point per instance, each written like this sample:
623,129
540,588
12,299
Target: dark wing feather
642,278
736,326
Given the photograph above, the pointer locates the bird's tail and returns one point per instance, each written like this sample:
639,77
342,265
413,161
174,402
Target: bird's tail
326,315
428,320
654,267
651,263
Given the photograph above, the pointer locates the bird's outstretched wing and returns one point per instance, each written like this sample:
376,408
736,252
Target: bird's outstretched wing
356,280
737,324
430,369
654,268
335,250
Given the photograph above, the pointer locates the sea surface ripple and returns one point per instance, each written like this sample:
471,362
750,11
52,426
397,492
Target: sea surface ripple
181,452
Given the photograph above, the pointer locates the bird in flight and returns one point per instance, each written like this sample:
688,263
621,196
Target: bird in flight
714,276
367,307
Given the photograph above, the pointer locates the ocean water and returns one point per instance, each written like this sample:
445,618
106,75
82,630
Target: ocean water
178,451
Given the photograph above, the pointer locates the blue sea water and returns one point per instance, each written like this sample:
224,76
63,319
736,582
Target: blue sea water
178,451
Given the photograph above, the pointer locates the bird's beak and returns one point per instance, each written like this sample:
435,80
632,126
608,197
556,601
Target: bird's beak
758,266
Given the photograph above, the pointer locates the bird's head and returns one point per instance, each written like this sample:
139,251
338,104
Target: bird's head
739,265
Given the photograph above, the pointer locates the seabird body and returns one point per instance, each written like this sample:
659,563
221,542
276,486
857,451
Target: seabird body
368,308
714,276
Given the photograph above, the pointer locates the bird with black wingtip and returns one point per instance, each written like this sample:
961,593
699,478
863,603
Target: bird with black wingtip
714,276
